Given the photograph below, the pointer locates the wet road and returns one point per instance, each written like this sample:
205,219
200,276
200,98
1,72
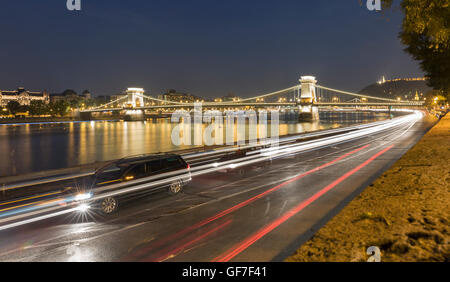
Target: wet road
259,212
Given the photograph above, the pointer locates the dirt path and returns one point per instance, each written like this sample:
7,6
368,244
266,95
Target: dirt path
405,212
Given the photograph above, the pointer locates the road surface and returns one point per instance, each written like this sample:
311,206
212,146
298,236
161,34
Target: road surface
259,212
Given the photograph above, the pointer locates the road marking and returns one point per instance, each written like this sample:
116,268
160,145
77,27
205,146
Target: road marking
34,197
39,245
240,205
234,251
38,203
173,252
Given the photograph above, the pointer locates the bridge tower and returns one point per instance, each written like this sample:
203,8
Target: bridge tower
308,112
135,100
135,97
308,89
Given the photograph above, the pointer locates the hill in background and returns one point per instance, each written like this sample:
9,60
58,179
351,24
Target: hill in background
399,88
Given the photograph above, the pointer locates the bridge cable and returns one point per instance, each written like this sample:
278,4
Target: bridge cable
104,105
358,95
271,94
159,100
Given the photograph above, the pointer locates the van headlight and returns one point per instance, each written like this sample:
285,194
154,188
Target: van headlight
83,208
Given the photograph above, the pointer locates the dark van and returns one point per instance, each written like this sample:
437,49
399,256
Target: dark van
138,171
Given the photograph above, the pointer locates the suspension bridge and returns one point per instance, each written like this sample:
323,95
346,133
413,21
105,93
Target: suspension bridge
306,98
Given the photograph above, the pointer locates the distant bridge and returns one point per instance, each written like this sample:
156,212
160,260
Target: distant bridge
305,97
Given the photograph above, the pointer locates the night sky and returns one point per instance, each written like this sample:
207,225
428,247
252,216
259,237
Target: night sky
207,48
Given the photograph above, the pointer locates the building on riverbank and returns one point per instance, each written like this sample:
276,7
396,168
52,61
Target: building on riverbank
228,98
23,96
174,96
70,95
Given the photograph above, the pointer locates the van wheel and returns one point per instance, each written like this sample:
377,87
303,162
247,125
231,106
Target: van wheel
175,187
109,205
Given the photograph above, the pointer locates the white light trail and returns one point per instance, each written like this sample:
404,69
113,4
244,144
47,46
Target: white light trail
255,157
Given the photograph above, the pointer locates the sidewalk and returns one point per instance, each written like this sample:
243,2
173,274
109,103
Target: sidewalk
405,212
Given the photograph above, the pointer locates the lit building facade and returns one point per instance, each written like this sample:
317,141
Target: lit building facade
383,79
24,97
229,98
173,96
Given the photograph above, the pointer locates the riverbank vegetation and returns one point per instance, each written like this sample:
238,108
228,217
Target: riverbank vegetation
426,35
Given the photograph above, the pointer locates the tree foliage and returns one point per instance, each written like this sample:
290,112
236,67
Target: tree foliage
426,34
69,92
13,107
38,108
60,108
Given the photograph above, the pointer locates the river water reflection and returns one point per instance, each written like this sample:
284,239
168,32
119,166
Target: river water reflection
35,147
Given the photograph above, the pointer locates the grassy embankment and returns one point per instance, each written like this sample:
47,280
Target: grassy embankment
405,212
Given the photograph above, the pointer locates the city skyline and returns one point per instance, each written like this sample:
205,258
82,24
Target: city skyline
245,49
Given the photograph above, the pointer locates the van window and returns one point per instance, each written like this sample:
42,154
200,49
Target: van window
172,163
154,166
109,172
136,172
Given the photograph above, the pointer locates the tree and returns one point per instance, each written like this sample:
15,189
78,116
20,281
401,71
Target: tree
60,108
38,108
434,98
89,102
13,107
426,33
75,103
24,109
69,92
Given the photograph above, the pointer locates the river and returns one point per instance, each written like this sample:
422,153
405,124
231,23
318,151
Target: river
33,147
